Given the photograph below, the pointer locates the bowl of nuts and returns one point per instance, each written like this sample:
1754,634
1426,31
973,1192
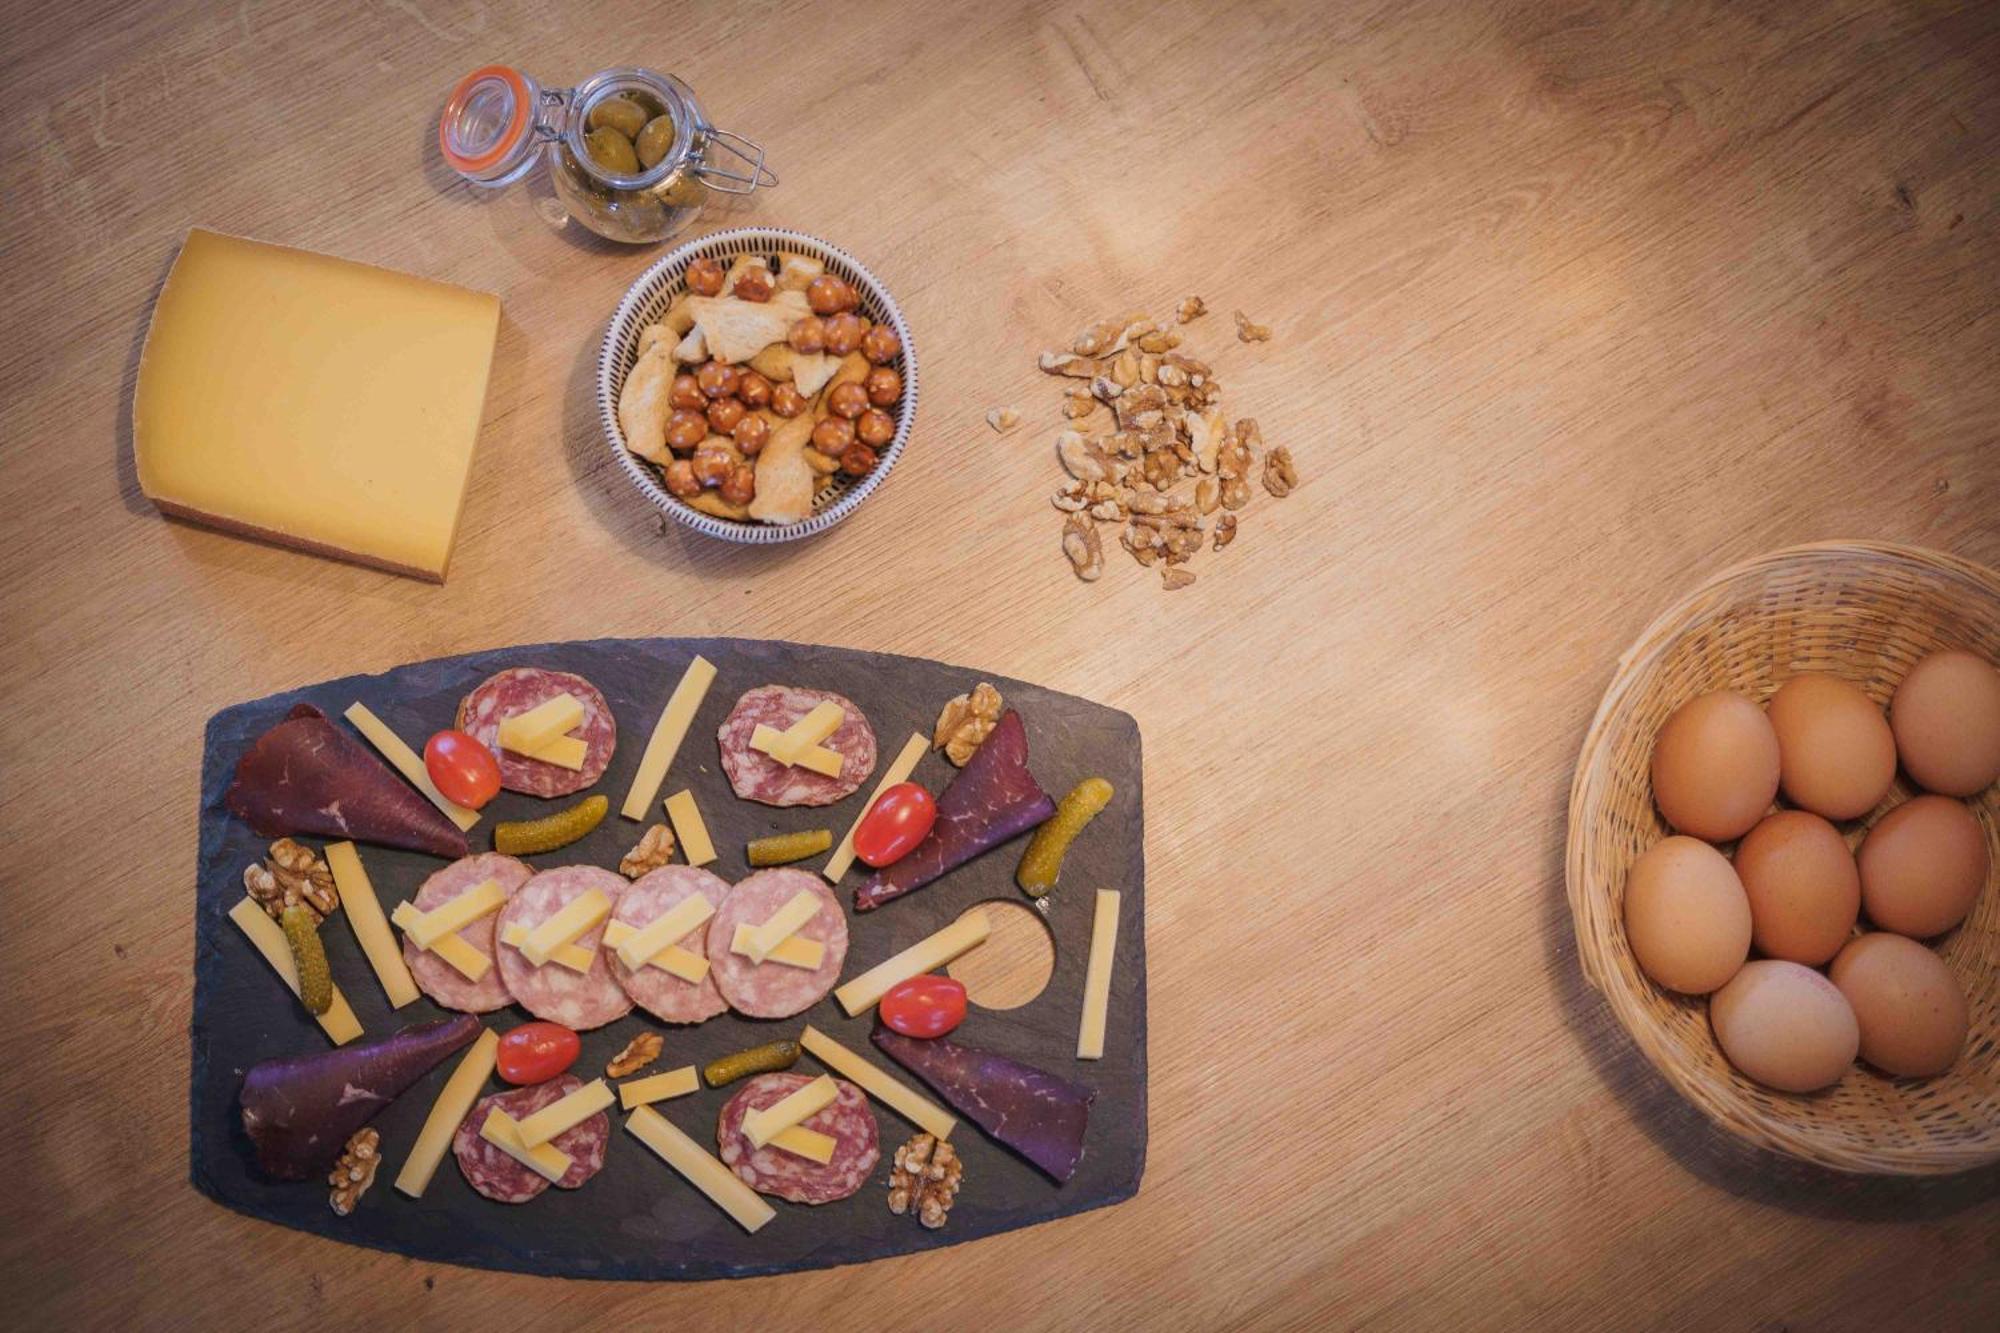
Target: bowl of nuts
757,385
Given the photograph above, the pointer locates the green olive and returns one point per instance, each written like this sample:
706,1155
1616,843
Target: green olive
612,151
620,113
655,141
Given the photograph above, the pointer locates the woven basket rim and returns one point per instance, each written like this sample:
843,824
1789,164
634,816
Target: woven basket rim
1593,770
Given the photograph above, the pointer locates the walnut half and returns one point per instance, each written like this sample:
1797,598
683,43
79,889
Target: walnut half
966,721
639,1052
355,1171
292,874
655,849
925,1180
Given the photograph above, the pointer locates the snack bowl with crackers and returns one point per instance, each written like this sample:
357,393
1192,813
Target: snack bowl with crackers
757,385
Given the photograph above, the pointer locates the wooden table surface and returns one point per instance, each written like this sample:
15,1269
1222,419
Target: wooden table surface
1575,303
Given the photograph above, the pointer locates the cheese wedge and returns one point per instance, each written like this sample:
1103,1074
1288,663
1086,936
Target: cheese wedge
572,956
659,1087
467,960
803,907
931,951
338,1022
447,918
807,1143
461,1090
370,927
665,742
1097,976
406,761
541,724
689,829
689,967
920,1111
576,916
816,758
504,1132
792,951
565,1112
670,927
905,764
761,1126
701,1170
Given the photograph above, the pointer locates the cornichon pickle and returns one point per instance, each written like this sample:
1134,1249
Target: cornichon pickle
611,150
618,113
766,1059
655,141
784,848
526,837
1042,862
309,956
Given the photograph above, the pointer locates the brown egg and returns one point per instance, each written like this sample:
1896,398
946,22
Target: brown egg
1909,1006
1836,755
1922,866
1785,1025
1715,766
1686,916
1946,717
1803,888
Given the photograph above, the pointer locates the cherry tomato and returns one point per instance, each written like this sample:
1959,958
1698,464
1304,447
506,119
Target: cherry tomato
896,824
537,1052
926,1006
463,769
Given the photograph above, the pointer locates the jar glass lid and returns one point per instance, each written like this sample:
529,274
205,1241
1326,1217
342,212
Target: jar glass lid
484,132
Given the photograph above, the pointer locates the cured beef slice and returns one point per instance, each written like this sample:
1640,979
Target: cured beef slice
1038,1115
993,799
307,776
847,1119
300,1113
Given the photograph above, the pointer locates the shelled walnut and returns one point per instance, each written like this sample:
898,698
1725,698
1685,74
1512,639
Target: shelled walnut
355,1171
965,722
292,874
925,1180
655,849
639,1052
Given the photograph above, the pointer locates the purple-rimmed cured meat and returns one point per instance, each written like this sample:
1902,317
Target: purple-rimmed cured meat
771,989
578,1000
848,1120
439,979
758,777
515,691
1040,1115
659,992
502,1179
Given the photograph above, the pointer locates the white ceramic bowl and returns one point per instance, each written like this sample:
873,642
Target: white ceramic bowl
647,300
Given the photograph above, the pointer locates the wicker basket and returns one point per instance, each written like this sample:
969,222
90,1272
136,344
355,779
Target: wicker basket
647,300
1866,613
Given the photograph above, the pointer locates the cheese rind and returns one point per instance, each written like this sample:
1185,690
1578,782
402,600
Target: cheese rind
792,951
673,959
448,918
1097,976
565,1112
504,1132
461,1090
665,742
932,951
370,927
807,1143
338,1022
919,1110
659,1087
693,834
572,956
760,1126
669,927
802,907
701,1170
575,917
467,960
406,761
547,720
815,758
905,764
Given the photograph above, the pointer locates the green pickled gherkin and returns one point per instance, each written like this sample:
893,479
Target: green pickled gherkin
766,1059
527,837
1041,864
784,848
309,956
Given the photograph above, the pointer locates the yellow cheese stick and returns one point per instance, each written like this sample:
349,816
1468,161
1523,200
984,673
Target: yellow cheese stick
824,719
565,1112
927,953
523,733
689,828
572,956
792,951
1097,976
899,771
807,1143
816,758
761,1126
406,762
918,1110
673,960
702,1171
448,918
370,927
802,907
454,949
669,927
575,917
563,751
268,936
659,1087
666,739
461,1090
504,1132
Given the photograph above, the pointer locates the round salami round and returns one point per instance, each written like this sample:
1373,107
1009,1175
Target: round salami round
515,691
659,992
499,1177
775,989
758,777
439,979
847,1120
579,1000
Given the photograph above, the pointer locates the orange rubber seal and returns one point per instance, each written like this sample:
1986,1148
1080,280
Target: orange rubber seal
456,108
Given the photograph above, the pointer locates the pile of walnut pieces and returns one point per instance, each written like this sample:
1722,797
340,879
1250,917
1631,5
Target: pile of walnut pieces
1148,447
925,1180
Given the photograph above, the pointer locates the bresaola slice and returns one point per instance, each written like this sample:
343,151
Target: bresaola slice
307,776
1038,1115
993,799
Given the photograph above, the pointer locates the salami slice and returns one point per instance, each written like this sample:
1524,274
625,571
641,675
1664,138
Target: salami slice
439,979
658,992
758,777
847,1119
770,989
499,1177
515,691
579,1000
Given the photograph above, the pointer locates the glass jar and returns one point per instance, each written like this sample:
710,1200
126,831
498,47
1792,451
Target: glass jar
499,120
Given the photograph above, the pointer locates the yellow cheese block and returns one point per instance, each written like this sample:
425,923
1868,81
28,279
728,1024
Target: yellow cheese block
406,761
688,827
268,936
673,959
792,951
575,917
1097,976
454,949
311,401
899,771
565,1112
572,956
815,758
448,918
802,907
666,739
370,927
926,1115
659,1087
760,1127
931,951
504,1132
702,1171
461,1090
541,724
807,1143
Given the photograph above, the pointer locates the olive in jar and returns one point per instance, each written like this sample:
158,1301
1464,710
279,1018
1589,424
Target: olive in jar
612,151
848,400
884,386
621,114
875,427
654,141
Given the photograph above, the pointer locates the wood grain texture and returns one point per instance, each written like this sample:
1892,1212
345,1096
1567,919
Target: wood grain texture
1574,302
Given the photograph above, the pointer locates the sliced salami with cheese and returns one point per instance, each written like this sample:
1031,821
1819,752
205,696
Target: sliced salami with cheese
656,990
498,1176
439,979
516,691
772,989
756,776
848,1120
579,1000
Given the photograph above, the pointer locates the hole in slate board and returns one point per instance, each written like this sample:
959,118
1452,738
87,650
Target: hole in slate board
1015,963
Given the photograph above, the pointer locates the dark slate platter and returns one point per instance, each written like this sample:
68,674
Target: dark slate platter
638,1219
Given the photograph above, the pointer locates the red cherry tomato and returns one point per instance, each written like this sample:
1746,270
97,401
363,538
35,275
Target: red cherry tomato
463,769
926,1006
537,1052
896,824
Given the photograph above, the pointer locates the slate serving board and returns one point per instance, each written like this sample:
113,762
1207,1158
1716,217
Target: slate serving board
638,1219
